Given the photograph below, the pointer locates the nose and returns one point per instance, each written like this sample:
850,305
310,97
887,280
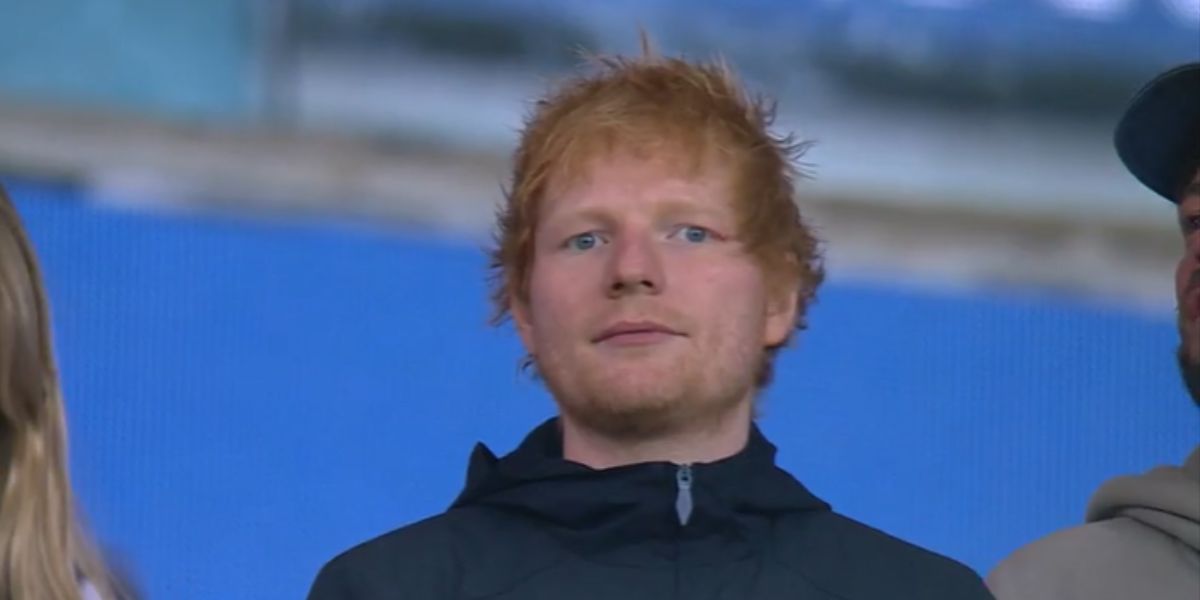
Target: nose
635,266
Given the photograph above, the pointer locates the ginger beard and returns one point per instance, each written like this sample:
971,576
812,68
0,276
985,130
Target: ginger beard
635,394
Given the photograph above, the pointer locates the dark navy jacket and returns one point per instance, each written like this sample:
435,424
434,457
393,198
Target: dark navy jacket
533,526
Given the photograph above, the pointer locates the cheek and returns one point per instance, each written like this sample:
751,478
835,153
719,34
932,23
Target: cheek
734,297
556,297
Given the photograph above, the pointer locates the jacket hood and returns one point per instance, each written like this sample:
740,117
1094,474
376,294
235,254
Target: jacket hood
1164,498
602,509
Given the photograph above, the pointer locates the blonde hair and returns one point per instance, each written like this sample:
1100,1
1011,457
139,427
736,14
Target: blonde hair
44,552
653,103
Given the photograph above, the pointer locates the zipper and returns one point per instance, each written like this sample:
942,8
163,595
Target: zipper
683,493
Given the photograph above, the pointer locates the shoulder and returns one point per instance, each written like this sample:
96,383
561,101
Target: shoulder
854,560
464,550
1096,560
417,557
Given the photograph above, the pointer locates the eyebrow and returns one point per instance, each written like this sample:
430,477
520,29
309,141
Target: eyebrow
587,215
668,207
1186,215
673,207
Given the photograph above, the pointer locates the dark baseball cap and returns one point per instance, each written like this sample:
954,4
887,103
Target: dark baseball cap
1158,138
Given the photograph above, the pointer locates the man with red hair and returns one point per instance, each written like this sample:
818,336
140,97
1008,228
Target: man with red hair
653,260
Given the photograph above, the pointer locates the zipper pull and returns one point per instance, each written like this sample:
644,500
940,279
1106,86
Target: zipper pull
683,497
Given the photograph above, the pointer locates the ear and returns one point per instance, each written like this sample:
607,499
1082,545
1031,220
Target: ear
781,310
523,321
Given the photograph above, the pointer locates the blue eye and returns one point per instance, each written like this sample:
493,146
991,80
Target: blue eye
695,234
583,241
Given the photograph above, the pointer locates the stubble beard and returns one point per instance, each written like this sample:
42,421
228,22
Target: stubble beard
640,402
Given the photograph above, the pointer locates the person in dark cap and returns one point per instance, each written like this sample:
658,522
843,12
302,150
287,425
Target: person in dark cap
1141,538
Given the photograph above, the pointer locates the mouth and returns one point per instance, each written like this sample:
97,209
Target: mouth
636,333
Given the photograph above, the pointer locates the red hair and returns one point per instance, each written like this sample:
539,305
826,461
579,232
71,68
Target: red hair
646,104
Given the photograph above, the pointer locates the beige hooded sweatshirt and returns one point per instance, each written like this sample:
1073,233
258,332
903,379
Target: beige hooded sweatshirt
1141,541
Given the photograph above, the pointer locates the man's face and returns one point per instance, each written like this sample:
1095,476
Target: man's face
1187,287
645,313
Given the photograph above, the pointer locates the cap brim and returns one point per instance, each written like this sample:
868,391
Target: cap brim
1158,137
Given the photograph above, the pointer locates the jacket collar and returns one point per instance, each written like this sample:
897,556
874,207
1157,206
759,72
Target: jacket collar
630,510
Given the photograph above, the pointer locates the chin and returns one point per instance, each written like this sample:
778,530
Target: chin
623,404
623,416
633,397
636,388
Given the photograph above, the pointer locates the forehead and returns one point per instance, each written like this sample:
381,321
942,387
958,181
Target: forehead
639,178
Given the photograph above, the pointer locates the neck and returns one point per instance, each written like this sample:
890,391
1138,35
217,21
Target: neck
706,442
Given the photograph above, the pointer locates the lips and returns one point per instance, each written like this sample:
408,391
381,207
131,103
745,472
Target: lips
635,329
